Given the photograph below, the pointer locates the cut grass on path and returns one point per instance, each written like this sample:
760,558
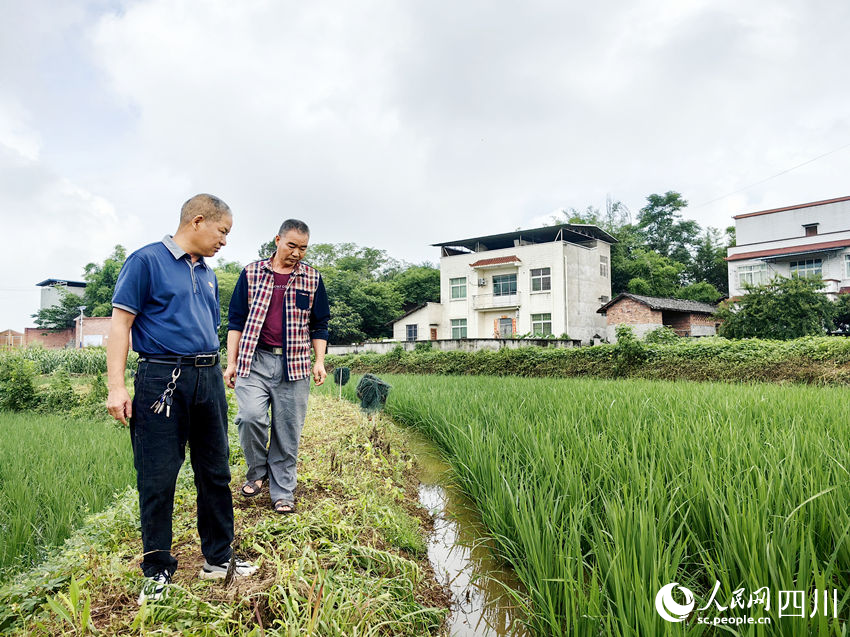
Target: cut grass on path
350,562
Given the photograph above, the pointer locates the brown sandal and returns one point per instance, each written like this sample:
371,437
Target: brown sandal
255,488
284,508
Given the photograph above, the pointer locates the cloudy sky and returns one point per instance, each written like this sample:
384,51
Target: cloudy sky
399,124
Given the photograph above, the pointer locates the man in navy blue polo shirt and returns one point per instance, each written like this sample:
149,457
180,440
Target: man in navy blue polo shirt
166,296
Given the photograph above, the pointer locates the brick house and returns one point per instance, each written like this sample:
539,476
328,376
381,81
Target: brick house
10,339
646,313
95,332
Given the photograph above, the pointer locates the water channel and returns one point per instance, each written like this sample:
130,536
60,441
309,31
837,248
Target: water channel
482,606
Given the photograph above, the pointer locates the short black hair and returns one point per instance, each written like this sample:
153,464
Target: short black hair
293,224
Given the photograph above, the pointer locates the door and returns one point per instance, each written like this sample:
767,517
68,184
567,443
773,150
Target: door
506,328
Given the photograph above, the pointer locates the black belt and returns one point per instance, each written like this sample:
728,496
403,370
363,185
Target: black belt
279,351
201,360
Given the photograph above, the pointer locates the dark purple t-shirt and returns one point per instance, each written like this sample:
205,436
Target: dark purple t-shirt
272,332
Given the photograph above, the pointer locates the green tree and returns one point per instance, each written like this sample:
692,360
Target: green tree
709,261
344,325
841,314
61,315
267,249
783,308
417,284
700,291
227,274
100,282
652,274
663,228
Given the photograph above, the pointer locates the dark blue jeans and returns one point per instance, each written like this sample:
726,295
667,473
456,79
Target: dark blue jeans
199,417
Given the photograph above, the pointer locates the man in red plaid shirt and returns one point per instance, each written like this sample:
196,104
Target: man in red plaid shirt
278,309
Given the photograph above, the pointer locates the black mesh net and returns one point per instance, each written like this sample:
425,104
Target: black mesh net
342,375
372,392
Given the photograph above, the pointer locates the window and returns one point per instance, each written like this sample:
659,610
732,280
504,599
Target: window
458,287
411,332
541,279
504,284
603,266
810,268
847,266
752,274
458,328
541,324
811,229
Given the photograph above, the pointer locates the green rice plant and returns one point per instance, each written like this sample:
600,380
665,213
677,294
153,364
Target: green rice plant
53,471
599,492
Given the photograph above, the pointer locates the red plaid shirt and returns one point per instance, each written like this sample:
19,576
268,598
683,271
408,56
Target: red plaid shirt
300,291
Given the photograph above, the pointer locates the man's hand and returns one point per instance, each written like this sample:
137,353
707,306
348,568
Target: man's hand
319,373
119,404
230,375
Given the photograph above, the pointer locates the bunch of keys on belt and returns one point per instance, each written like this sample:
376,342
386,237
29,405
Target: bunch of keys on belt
165,399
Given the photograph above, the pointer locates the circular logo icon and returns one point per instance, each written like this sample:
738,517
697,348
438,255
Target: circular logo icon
668,608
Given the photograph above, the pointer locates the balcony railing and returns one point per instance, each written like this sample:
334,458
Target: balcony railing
494,301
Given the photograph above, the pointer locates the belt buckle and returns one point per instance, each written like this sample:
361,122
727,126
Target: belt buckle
277,351
206,360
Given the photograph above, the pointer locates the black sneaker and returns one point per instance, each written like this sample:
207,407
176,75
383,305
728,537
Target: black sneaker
219,571
154,587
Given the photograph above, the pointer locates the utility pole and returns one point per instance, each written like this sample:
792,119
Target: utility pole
81,308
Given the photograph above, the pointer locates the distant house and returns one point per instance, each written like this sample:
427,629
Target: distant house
810,239
646,313
543,281
10,339
50,290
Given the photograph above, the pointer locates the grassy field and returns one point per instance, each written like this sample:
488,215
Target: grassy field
599,493
53,472
351,562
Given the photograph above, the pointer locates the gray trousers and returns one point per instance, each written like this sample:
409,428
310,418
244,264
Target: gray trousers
271,448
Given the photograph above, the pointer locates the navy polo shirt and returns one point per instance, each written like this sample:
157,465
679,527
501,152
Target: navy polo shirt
175,301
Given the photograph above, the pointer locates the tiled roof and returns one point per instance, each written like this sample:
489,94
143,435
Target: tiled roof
496,261
801,249
659,303
796,207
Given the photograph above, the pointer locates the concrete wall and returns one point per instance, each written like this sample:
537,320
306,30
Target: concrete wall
425,318
50,294
788,224
455,345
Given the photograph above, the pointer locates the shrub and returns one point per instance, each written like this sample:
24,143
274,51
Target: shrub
17,384
661,335
60,395
630,350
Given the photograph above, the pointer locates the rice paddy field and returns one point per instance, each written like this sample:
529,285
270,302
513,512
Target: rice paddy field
54,471
598,493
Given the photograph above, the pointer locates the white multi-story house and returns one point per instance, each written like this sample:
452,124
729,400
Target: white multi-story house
810,239
544,281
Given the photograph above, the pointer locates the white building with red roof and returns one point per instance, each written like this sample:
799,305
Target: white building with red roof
810,239
544,281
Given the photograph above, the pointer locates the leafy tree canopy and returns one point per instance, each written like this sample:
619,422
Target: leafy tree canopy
100,283
783,308
61,315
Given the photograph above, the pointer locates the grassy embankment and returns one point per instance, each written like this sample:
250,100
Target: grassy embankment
813,360
350,562
600,492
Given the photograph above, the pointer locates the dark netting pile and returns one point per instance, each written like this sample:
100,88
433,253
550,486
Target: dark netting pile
372,392
342,375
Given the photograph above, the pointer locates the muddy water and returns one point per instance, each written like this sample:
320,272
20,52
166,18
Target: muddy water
482,606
